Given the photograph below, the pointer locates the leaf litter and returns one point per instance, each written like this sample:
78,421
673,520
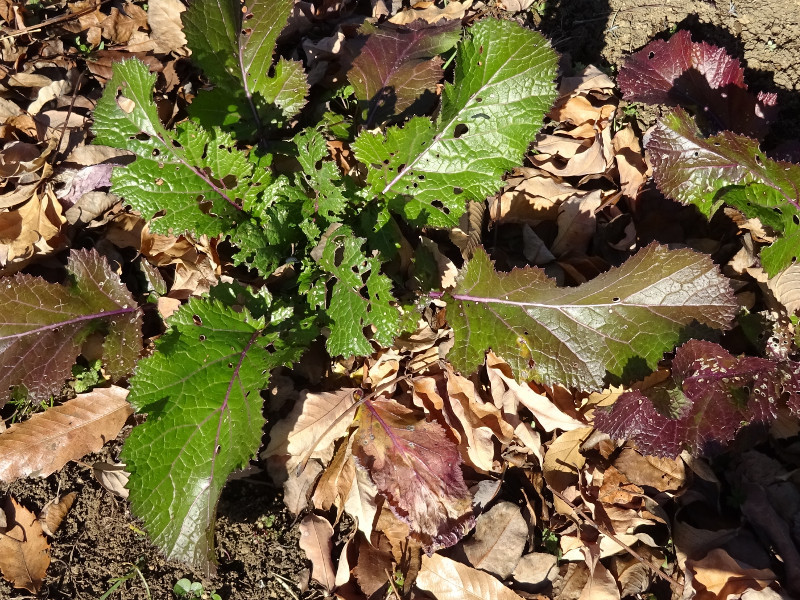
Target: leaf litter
409,461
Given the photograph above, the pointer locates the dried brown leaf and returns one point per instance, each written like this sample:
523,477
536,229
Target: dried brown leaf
113,477
53,513
447,579
24,551
316,534
432,14
786,287
499,540
47,441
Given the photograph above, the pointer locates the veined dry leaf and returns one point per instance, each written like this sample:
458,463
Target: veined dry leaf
499,540
447,579
53,513
166,29
786,287
305,429
630,162
663,474
336,481
362,502
315,541
48,440
576,224
24,551
113,477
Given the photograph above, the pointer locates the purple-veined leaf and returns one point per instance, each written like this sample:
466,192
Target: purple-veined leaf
698,75
201,392
417,468
399,64
728,168
621,322
43,326
710,396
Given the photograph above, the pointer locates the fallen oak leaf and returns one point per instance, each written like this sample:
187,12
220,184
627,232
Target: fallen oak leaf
24,551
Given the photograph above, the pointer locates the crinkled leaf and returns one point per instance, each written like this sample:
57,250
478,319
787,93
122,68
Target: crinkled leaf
728,168
621,322
417,468
711,395
324,182
43,326
195,177
44,443
398,66
361,297
698,75
234,44
201,392
503,86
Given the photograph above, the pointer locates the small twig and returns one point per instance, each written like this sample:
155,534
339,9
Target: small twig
627,548
283,581
391,584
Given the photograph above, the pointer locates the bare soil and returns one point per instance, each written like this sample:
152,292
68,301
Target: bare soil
100,539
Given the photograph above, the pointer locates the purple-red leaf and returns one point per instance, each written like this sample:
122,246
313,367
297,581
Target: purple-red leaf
728,168
711,395
399,65
417,468
697,75
43,326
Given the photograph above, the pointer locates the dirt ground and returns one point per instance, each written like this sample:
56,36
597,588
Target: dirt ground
257,539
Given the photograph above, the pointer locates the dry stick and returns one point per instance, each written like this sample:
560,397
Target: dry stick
630,550
391,584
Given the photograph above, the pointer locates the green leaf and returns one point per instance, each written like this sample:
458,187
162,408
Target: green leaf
489,115
43,326
194,177
234,45
361,297
621,322
728,168
201,392
324,183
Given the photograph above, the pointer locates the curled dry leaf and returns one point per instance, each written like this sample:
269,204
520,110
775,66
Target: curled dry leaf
24,551
53,513
447,579
113,477
47,441
315,541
